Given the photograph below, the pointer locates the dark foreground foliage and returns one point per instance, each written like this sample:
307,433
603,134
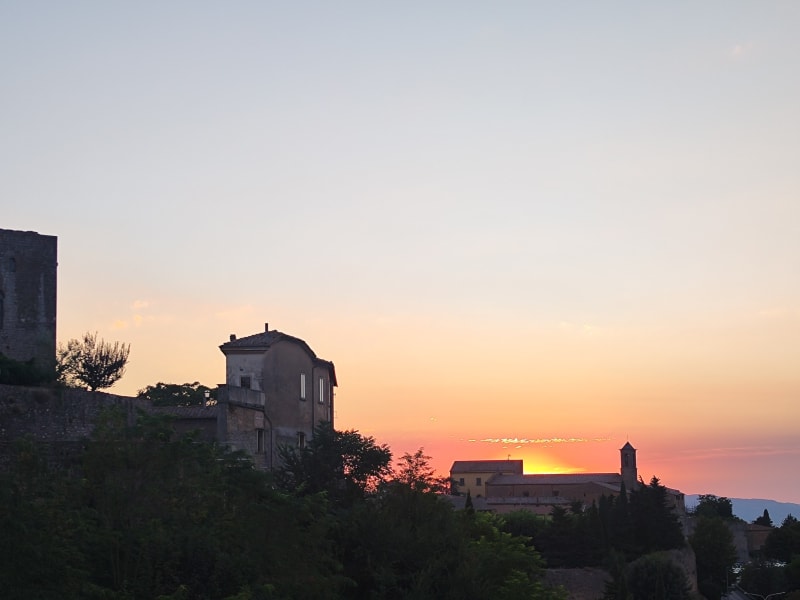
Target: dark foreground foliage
151,515
16,372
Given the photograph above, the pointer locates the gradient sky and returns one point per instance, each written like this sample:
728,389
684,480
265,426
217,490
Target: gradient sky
526,229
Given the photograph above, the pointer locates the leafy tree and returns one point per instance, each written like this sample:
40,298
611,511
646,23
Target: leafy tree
93,363
656,576
414,471
155,515
656,526
165,514
570,538
499,565
764,519
404,543
469,507
763,578
524,523
711,506
616,588
38,556
793,574
712,542
175,394
616,514
344,464
784,542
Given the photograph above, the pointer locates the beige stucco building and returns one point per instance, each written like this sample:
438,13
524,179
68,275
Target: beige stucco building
276,391
504,487
471,476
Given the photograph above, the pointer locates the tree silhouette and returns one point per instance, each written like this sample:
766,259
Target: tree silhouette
93,363
764,519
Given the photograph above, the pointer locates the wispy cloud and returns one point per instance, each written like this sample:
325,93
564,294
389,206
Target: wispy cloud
529,441
140,304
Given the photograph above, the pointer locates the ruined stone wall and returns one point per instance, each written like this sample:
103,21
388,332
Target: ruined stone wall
56,414
62,418
55,418
28,264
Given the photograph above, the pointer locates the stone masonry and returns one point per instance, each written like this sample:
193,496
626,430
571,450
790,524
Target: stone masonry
28,264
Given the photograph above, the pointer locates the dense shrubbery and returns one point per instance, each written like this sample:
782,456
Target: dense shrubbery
154,516
16,372
151,515
779,567
623,534
631,525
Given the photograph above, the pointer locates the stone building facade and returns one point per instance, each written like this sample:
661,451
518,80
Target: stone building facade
276,392
28,265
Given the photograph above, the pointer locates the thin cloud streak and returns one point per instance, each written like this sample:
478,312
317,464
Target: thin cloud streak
525,441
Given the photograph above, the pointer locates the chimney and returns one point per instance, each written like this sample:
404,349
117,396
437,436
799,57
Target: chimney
233,336
266,327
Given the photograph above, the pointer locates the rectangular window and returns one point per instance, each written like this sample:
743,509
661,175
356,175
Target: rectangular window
461,481
302,386
244,381
478,481
301,439
321,390
259,440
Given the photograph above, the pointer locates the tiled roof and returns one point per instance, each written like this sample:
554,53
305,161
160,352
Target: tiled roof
266,339
557,479
487,466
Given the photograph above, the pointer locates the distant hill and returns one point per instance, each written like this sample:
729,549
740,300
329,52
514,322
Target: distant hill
749,509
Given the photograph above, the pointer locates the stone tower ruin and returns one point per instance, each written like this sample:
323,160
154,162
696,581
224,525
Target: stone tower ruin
28,264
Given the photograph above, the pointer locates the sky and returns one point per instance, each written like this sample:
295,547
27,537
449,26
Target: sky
533,230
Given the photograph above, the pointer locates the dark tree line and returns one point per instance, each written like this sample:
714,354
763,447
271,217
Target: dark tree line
778,567
146,514
631,524
626,534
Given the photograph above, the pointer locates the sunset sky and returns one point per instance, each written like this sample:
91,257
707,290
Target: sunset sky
525,229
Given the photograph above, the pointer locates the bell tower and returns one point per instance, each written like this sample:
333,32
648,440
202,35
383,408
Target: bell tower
628,466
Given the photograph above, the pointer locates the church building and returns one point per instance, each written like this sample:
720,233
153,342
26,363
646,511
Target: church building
504,487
